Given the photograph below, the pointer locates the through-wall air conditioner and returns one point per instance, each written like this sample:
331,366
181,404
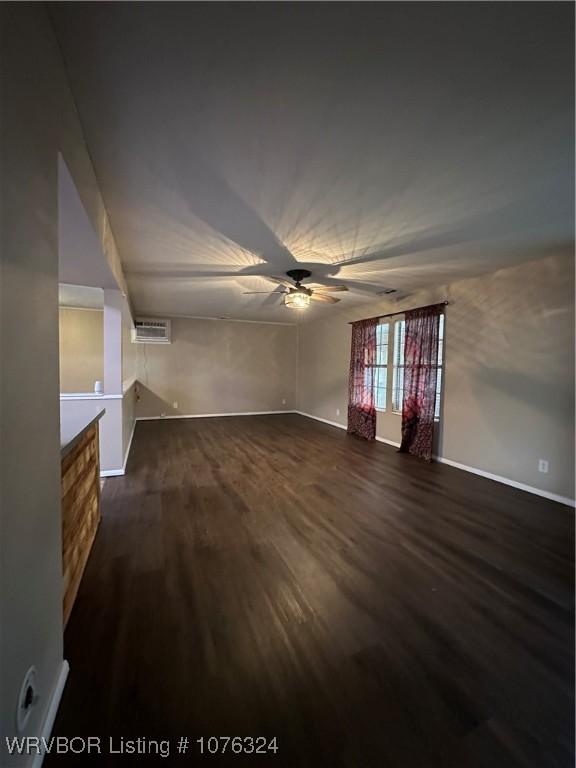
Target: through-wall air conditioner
151,331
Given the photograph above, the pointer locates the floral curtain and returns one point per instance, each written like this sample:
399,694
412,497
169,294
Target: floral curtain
361,408
420,372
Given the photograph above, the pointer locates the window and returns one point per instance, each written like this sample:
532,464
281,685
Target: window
398,366
439,367
376,375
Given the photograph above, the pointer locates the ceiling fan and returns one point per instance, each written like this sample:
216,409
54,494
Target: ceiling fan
298,296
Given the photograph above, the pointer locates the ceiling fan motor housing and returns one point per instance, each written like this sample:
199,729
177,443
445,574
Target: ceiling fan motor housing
298,274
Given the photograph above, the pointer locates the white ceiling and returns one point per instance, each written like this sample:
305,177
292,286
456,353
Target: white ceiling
381,144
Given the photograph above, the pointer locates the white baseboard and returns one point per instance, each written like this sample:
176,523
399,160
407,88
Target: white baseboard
324,421
343,426
388,442
506,481
111,472
52,710
497,478
211,415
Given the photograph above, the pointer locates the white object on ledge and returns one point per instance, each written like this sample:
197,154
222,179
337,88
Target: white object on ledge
98,388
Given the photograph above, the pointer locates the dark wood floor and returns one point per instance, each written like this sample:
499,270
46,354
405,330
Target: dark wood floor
273,576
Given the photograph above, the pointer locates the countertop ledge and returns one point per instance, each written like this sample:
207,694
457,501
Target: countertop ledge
74,426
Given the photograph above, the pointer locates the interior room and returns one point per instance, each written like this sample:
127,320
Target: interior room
287,384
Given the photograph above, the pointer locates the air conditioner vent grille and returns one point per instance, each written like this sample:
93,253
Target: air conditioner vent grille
151,331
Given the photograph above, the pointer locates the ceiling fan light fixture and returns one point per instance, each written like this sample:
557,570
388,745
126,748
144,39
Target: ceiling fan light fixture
296,300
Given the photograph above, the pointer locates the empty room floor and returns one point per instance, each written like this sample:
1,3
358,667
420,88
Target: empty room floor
272,576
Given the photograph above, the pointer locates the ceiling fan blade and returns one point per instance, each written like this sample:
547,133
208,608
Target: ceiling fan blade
319,297
251,293
183,274
331,288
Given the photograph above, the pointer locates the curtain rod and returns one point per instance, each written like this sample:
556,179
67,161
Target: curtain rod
400,312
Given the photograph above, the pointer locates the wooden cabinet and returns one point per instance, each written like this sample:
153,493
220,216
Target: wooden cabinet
80,510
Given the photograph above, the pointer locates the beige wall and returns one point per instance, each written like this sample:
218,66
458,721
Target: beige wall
509,372
39,120
218,367
81,349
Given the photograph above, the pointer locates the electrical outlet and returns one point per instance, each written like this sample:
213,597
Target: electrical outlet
337,411
283,401
27,699
175,404
162,415
543,465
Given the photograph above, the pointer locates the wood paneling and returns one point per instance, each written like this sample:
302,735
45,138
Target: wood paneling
273,575
80,511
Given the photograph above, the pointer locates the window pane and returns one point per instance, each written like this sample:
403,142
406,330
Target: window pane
397,389
399,332
440,339
438,392
382,332
381,377
381,383
376,376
